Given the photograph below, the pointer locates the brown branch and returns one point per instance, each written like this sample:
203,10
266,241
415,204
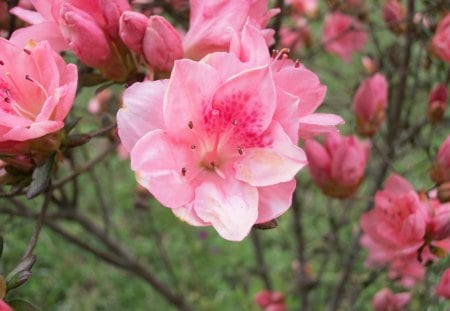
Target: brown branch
259,256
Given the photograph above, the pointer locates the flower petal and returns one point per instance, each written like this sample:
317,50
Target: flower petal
274,200
318,123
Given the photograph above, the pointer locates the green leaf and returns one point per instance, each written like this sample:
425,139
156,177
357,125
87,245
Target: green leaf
21,305
40,178
70,124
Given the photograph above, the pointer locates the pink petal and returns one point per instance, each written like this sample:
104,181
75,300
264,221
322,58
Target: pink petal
188,214
191,87
274,200
397,185
31,17
45,31
272,164
33,131
286,113
230,206
318,123
141,111
158,162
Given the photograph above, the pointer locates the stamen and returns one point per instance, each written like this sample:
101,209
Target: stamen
183,171
29,78
297,63
193,147
241,152
27,51
2,63
191,125
274,53
234,122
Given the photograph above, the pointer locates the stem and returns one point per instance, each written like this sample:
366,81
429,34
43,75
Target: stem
259,256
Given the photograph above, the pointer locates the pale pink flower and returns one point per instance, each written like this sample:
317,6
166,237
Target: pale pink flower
226,161
437,102
214,22
441,39
90,28
37,90
369,104
394,15
440,172
443,288
297,36
386,300
338,166
270,301
343,35
4,306
306,7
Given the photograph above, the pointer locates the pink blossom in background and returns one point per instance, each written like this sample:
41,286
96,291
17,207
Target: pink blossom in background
297,36
394,15
369,64
304,7
440,171
386,300
343,35
338,166
37,91
270,301
76,24
440,42
369,104
443,287
214,22
4,306
437,102
99,102
227,160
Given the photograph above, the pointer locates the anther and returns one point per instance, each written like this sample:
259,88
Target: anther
212,163
183,171
29,78
193,147
2,63
234,122
297,63
274,53
27,51
191,125
239,149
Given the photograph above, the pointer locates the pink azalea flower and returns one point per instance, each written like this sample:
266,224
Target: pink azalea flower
441,39
306,7
369,104
385,300
76,25
212,24
440,172
270,301
338,166
437,102
37,91
343,35
226,161
443,288
394,15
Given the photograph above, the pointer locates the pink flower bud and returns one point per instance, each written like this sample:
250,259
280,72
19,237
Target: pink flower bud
162,44
270,301
369,64
443,288
132,30
306,7
4,306
85,37
437,103
112,10
440,172
385,300
440,223
369,104
263,298
338,167
394,15
343,35
440,43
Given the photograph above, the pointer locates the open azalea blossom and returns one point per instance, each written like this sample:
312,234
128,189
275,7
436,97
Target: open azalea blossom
78,24
343,35
230,158
441,40
440,171
405,230
37,91
386,300
213,23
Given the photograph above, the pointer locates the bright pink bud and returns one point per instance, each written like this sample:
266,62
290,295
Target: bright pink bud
440,172
132,30
338,167
84,35
162,44
369,104
437,103
440,223
112,10
443,288
343,35
270,301
385,300
263,298
369,64
306,7
394,15
440,43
